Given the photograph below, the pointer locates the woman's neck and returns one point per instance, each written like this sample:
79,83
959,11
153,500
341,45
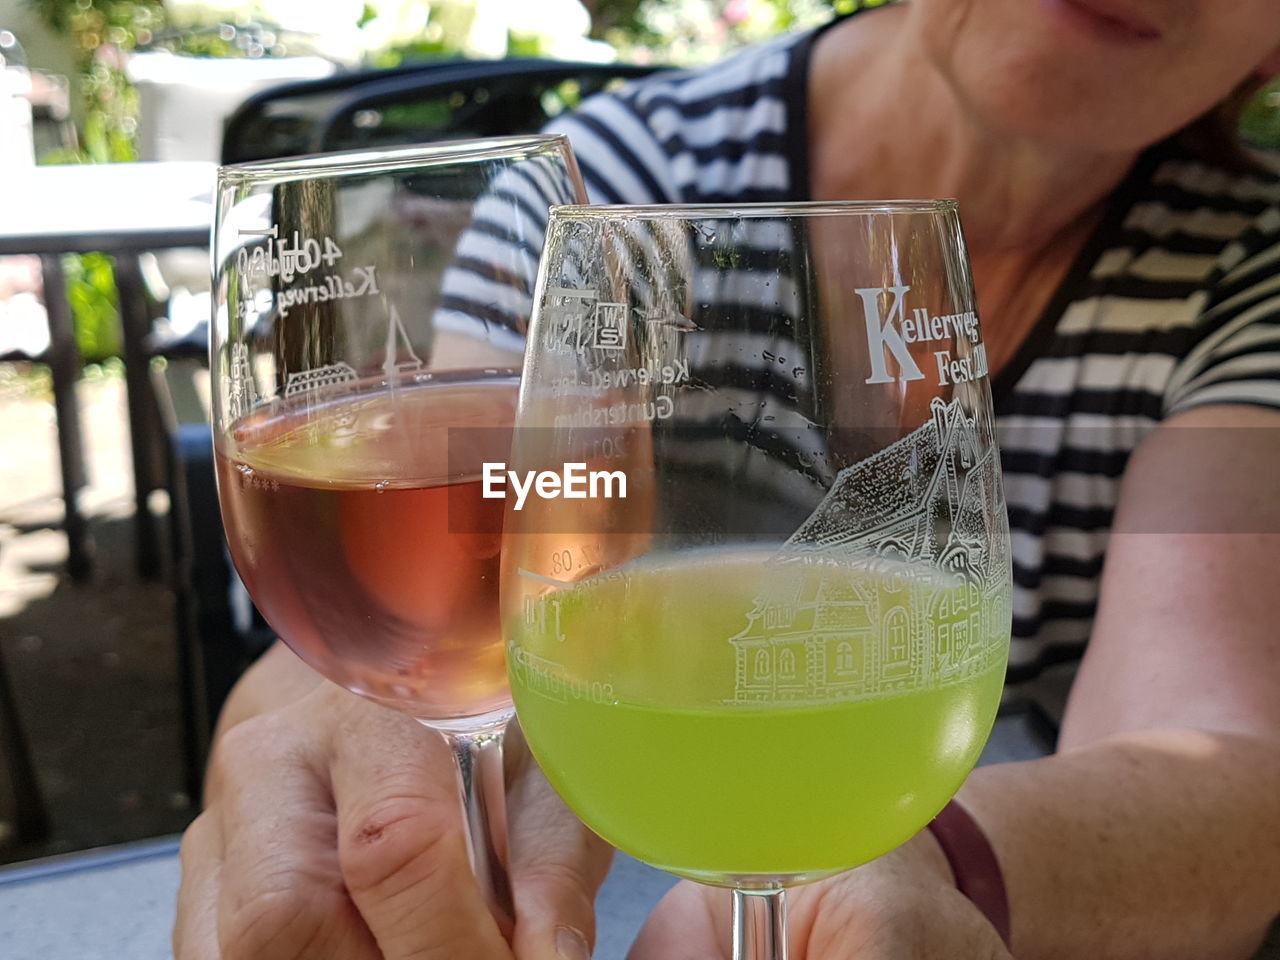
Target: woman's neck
883,122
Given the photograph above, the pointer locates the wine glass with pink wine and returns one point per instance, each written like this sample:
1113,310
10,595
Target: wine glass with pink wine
369,320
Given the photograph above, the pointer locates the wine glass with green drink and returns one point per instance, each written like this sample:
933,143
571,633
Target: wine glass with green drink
769,579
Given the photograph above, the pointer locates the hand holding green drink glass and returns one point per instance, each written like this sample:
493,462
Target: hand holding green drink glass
754,563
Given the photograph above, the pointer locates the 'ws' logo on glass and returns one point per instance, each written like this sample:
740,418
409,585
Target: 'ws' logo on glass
609,330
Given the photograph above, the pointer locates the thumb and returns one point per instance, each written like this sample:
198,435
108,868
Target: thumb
557,864
401,844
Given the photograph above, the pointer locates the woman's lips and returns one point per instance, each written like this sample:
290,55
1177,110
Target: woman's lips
1105,20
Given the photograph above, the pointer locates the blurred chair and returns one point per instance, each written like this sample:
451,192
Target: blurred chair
447,99
219,631
280,122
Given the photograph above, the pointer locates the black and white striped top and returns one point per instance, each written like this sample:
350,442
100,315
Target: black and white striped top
1173,304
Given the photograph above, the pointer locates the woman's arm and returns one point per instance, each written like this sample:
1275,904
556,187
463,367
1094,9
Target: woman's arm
1155,832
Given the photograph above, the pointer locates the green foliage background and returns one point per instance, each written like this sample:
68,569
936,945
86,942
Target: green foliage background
1260,120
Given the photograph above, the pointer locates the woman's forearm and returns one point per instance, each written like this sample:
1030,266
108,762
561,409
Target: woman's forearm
1163,843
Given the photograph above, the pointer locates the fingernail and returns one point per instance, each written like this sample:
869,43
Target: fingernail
571,945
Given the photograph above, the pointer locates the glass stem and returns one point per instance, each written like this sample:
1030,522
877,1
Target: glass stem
760,924
479,766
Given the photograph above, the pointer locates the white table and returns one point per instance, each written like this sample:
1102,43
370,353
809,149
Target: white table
112,207
121,209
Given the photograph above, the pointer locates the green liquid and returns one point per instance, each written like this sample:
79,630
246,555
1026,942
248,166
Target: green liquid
718,717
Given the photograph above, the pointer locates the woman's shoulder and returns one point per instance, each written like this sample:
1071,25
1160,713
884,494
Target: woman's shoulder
1180,229
1178,192
734,81
1228,210
1191,268
711,133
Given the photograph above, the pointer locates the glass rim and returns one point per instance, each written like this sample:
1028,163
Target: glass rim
373,159
765,210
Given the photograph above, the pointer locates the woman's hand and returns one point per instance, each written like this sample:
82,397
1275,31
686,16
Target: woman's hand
903,906
333,829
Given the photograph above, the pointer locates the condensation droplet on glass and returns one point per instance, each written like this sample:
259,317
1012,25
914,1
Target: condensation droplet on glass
380,486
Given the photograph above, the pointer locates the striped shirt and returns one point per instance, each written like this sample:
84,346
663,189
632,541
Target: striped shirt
1174,303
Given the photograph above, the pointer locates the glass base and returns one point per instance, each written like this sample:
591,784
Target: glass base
492,722
749,881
